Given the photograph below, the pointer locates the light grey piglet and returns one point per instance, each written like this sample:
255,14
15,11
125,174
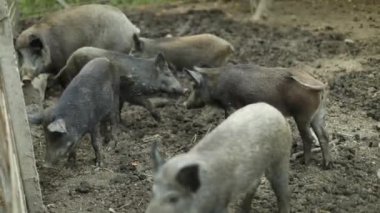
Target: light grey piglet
226,163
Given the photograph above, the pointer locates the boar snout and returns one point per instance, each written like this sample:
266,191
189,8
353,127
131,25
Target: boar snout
27,75
26,79
177,90
186,91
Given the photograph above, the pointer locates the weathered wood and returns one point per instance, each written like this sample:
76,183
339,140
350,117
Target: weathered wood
19,169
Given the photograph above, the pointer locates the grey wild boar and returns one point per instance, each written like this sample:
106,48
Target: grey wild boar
293,92
203,50
225,164
44,47
90,99
149,75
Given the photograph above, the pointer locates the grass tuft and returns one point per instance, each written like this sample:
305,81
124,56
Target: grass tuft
32,8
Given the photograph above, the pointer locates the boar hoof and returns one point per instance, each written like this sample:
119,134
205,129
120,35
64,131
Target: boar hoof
156,116
306,161
328,165
98,163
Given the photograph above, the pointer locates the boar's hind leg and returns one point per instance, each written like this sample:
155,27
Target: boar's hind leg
95,145
106,131
303,125
245,206
278,177
318,125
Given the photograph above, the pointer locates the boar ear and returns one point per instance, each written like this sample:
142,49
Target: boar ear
161,62
35,42
58,125
188,177
139,45
196,76
156,157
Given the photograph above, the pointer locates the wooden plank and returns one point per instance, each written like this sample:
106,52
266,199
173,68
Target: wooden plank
11,195
15,120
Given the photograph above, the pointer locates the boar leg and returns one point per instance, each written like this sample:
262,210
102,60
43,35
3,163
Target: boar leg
246,204
318,125
72,158
95,145
278,177
303,126
106,131
147,105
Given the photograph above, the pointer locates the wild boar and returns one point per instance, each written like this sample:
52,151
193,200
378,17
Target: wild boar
291,91
45,46
90,99
149,75
227,163
203,50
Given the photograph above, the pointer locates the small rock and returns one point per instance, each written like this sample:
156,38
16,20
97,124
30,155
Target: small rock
84,187
378,173
348,41
51,205
374,144
111,210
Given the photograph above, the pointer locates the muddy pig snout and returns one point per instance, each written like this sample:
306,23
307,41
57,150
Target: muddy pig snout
178,90
26,79
27,75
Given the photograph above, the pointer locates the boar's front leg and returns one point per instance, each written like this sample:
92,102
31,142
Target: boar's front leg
245,206
95,145
228,109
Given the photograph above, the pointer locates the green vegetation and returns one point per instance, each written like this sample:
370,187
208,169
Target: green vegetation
30,8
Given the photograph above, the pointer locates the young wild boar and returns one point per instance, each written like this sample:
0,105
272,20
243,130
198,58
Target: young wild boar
203,50
294,93
225,164
45,46
149,75
90,99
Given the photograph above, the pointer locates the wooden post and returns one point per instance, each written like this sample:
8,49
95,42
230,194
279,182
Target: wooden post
19,182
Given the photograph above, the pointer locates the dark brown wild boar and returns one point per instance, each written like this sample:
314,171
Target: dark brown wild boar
203,50
294,93
44,47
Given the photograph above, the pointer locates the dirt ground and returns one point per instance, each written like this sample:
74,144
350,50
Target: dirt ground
338,41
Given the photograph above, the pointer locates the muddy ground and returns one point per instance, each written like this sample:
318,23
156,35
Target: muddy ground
337,41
